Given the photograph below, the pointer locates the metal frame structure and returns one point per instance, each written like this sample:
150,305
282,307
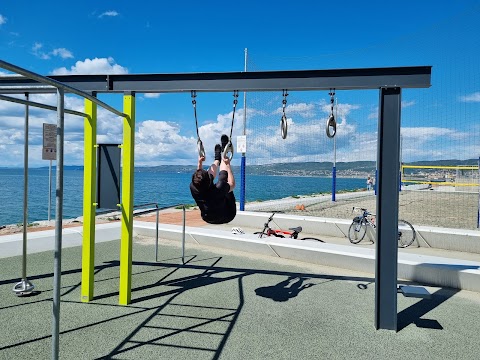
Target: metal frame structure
296,80
389,82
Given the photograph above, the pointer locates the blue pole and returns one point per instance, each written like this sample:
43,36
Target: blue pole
400,182
242,184
478,212
334,182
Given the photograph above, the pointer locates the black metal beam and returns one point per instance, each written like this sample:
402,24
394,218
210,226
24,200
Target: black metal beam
295,80
388,160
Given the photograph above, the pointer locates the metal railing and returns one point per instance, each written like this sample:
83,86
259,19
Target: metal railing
156,209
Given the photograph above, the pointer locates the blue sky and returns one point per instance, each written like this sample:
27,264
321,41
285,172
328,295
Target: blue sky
210,36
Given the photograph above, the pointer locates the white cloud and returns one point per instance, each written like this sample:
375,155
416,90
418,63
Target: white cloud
167,141
300,109
110,13
37,51
151,95
430,133
406,104
61,52
474,97
160,142
3,19
92,66
434,143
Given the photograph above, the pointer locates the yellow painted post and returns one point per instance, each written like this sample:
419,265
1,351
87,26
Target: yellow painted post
89,206
127,199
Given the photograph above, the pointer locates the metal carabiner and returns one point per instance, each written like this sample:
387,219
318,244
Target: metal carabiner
200,148
331,126
228,149
284,126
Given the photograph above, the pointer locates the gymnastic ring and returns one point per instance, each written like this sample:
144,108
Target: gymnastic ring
331,125
200,148
228,149
284,127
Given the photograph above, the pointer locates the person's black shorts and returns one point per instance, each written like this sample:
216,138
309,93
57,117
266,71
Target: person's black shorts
230,210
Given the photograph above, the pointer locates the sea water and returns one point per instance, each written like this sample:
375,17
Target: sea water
166,189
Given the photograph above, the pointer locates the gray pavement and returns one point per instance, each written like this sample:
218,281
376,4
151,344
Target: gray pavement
224,305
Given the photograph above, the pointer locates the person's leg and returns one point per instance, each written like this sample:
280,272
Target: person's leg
218,155
213,168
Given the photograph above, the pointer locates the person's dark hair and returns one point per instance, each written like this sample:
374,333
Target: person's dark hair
201,180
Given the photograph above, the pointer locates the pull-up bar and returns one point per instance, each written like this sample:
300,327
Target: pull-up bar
297,80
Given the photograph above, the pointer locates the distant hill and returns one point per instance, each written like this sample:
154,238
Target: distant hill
344,169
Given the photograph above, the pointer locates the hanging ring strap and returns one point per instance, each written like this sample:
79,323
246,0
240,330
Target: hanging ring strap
228,151
200,148
331,122
283,124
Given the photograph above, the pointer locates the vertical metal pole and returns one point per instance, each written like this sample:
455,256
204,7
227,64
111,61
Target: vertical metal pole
25,194
386,262
57,271
243,163
478,212
89,199
334,170
50,191
24,287
183,236
156,236
125,291
400,165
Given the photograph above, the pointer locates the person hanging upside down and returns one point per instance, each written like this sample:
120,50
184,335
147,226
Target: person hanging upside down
216,201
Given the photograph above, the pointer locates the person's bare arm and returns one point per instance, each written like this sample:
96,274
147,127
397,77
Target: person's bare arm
200,162
231,178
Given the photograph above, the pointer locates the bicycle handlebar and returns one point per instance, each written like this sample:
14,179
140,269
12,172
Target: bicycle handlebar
362,209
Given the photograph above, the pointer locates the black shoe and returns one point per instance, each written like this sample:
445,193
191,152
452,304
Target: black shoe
218,152
224,141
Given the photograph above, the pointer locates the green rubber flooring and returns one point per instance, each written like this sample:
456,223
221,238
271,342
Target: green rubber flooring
224,305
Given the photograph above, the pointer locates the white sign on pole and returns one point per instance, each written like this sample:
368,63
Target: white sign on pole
49,150
242,144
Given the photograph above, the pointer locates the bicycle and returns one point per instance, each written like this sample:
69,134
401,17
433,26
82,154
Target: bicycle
268,231
358,229
290,233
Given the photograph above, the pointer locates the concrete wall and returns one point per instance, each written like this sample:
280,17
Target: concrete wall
439,238
436,271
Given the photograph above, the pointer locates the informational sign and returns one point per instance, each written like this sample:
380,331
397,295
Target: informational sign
242,144
49,150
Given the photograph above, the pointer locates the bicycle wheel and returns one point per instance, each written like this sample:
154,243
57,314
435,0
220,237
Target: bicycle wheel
406,234
313,239
357,231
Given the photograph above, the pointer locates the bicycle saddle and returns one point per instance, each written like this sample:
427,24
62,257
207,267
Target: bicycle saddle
296,229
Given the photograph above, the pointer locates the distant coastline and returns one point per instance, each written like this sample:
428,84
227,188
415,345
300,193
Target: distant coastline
353,169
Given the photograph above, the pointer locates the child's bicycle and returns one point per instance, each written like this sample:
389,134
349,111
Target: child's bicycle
268,231
278,232
358,229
